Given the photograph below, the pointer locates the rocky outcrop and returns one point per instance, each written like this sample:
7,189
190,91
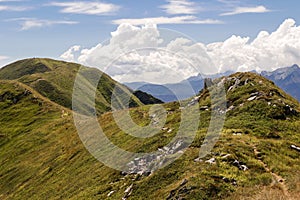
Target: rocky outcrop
240,165
145,165
127,192
207,83
295,148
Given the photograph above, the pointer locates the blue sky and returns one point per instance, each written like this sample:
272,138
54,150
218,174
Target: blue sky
33,28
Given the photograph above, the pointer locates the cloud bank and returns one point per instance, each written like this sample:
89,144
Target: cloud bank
172,60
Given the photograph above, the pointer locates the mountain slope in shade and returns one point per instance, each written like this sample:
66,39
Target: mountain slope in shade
55,80
146,98
286,78
42,157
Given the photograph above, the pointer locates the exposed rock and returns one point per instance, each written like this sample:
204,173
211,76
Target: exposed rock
237,134
194,101
295,148
183,182
240,165
197,98
289,110
207,83
211,161
230,108
254,94
198,160
252,98
235,85
146,164
230,88
127,192
226,156
171,194
227,180
243,167
110,193
202,108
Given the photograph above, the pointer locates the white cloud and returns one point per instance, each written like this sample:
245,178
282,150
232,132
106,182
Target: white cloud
180,7
69,55
143,53
178,58
188,19
14,8
88,8
29,23
3,58
242,10
268,51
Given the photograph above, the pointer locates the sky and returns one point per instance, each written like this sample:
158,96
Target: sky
154,41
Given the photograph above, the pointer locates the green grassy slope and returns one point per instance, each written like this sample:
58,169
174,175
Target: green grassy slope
42,157
55,80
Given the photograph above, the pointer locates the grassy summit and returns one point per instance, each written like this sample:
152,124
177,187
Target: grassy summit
55,80
42,157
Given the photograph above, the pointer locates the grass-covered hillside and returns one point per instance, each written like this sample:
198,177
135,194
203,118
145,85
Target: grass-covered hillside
55,80
42,157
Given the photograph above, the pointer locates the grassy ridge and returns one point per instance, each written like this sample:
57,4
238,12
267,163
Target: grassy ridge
42,156
55,80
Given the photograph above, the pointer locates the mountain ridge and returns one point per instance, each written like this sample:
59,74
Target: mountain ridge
42,156
287,78
55,80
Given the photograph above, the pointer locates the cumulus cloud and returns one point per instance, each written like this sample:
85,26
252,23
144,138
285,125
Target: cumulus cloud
142,53
268,51
29,23
145,54
69,54
242,10
88,8
188,19
175,7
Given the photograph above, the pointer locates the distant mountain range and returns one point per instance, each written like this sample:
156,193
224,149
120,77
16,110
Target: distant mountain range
175,91
287,78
